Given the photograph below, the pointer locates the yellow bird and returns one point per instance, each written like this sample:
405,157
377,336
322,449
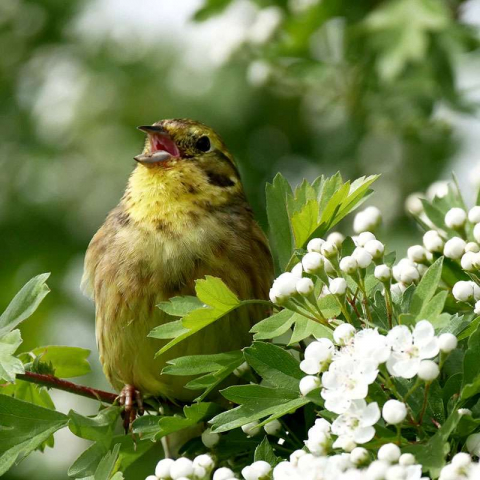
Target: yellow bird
183,215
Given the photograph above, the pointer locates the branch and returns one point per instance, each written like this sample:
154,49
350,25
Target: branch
53,382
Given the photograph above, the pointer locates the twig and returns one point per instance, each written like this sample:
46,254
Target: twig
54,382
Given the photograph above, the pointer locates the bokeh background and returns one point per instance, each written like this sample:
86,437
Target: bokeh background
299,86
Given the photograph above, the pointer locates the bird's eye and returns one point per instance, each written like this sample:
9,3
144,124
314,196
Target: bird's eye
203,144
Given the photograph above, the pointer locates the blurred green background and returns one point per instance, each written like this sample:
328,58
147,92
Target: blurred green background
300,86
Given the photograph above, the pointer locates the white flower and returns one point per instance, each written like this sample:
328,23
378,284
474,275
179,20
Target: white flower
363,258
182,467
273,427
389,453
348,265
223,473
433,241
317,356
408,350
209,438
455,218
461,460
474,215
375,248
367,220
251,429
428,370
205,461
337,286
151,477
308,383
304,286
319,439
472,247
473,444
377,470
343,334
364,238
455,248
383,273
357,422
162,470
394,412
413,203
437,189
336,238
417,253
370,346
467,261
263,28
312,262
359,455
329,249
463,291
256,470
447,342
315,245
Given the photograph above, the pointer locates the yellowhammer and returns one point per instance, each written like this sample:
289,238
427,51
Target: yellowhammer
184,215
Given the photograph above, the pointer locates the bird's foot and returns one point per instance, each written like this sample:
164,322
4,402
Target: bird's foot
132,401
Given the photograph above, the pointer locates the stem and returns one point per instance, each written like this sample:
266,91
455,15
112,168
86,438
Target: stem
414,387
424,406
389,304
51,381
343,309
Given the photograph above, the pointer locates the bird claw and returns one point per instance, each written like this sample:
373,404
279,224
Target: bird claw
131,399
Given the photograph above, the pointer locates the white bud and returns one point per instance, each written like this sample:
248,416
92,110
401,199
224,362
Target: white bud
304,286
205,461
409,274
162,470
407,459
476,310
359,456
343,334
256,470
329,249
273,427
151,477
377,470
223,473
182,467
428,370
417,254
367,220
312,262
364,238
308,383
394,412
464,411
297,270
437,189
383,273
461,460
398,288
210,439
472,247
433,241
463,291
329,268
336,238
363,258
476,232
413,203
389,453
348,265
467,261
396,472
454,248
338,286
375,248
447,342
275,297
251,429
473,444
474,215
455,218
241,370
315,245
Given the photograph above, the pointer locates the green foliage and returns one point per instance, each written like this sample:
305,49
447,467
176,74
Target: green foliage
66,362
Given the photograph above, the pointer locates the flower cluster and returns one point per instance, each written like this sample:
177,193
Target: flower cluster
183,468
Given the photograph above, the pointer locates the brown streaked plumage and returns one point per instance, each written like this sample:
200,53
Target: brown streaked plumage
184,215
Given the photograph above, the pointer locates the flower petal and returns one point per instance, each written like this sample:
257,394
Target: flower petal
423,333
363,434
399,338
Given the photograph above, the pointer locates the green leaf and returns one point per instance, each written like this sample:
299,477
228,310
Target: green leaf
304,327
106,466
67,361
470,329
275,365
274,326
280,233
305,222
180,306
214,293
24,304
169,330
426,288
87,462
471,367
266,453
211,8
432,309
23,428
10,365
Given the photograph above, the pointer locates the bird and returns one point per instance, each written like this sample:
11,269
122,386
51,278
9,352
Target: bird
184,215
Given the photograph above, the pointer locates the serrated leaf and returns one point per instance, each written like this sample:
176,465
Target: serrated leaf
180,306
9,364
169,330
274,326
214,293
67,361
264,452
305,222
24,303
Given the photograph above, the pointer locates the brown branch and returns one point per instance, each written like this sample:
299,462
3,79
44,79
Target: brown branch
53,382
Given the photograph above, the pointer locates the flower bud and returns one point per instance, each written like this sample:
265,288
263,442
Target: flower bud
474,215
162,470
476,310
297,270
406,459
241,370
359,456
455,218
364,238
312,262
210,439
463,291
417,254
329,268
308,383
447,342
329,250
375,248
461,460
315,245
367,220
363,258
223,473
472,247
409,274
251,429
343,334
428,370
336,238
273,427
205,461
473,444
394,412
338,286
467,261
256,470
397,288
383,273
304,286
389,453
433,241
413,203
348,265
182,467
437,189
455,248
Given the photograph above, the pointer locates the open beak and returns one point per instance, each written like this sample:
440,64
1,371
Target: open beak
162,147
